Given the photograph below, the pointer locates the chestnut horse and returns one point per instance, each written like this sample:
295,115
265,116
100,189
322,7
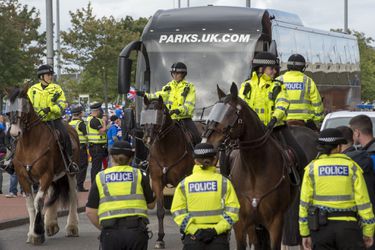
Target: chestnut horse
170,154
259,172
37,159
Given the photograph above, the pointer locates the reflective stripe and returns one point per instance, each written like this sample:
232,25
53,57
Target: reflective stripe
122,198
317,104
182,186
369,221
282,100
123,211
206,213
228,219
104,184
234,210
179,212
185,223
280,107
259,111
364,206
302,95
309,86
304,204
302,219
312,177
300,101
189,103
224,185
300,111
332,197
133,189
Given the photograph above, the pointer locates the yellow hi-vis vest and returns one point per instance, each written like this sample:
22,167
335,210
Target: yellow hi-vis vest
93,135
305,101
75,124
205,199
335,183
120,193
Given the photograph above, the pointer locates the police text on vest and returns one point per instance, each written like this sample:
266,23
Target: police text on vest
334,170
119,177
203,186
294,86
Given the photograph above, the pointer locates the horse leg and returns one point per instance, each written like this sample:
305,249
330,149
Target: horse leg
50,217
240,232
72,222
160,212
276,230
38,237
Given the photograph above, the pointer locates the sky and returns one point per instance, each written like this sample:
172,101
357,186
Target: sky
319,14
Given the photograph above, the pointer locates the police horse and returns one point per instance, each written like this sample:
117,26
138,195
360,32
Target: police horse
38,159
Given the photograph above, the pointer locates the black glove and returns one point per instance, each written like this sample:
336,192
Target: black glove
206,235
272,123
174,111
46,110
140,93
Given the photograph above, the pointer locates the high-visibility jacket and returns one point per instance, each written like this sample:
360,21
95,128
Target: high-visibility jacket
75,124
205,199
120,193
93,135
335,183
267,98
44,98
305,101
178,95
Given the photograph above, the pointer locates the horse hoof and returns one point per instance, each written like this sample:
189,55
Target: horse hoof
72,231
37,240
52,229
159,245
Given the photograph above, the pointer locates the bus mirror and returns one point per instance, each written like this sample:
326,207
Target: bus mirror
124,75
273,48
129,120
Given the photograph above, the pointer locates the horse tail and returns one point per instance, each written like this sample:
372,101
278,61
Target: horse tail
60,191
263,238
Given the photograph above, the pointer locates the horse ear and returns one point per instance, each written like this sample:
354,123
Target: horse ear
146,101
26,86
234,90
220,93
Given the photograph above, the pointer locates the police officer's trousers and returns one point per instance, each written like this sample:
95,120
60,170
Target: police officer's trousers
338,235
220,242
98,152
83,163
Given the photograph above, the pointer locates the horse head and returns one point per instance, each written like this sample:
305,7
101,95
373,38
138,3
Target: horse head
228,118
19,110
154,119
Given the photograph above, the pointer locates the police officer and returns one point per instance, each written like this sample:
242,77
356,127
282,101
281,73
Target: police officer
333,196
118,202
97,138
306,105
79,125
269,99
208,226
48,100
179,96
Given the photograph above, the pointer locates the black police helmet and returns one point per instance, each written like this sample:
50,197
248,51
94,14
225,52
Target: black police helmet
121,148
96,106
45,69
263,59
179,67
331,136
296,62
204,150
76,109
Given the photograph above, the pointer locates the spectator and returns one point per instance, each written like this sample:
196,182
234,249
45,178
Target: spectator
362,158
3,148
114,132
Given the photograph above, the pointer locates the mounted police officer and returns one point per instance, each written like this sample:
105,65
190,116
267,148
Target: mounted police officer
97,138
306,105
118,201
48,100
179,97
269,99
79,125
208,226
333,197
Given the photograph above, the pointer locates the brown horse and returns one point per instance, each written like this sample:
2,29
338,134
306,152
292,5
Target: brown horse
259,173
37,159
170,154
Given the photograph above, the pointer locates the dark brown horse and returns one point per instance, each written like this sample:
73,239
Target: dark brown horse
170,154
37,159
259,172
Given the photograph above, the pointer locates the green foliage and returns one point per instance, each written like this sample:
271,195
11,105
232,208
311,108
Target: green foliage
93,44
21,46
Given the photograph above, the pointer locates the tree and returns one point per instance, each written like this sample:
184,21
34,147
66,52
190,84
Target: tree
21,46
91,47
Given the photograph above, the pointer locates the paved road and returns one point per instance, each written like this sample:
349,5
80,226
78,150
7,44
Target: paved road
15,238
